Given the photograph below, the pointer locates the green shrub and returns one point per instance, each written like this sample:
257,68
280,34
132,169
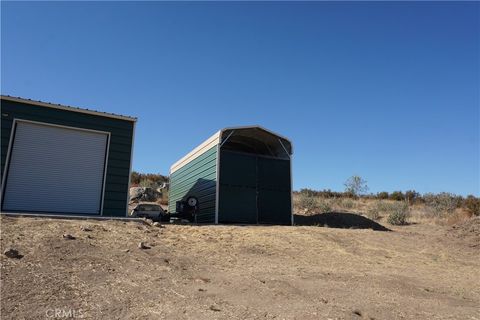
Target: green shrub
411,196
397,196
398,214
382,195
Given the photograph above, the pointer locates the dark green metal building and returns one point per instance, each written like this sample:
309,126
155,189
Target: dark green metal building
238,175
64,160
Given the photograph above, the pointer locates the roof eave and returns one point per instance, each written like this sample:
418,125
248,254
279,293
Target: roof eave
68,108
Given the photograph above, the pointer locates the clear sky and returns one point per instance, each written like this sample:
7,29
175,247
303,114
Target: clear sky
387,91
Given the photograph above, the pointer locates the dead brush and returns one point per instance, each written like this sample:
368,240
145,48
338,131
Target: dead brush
311,204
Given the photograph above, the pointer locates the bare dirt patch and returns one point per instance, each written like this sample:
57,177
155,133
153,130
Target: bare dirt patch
236,272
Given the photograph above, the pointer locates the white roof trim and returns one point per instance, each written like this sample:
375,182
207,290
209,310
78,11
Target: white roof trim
198,151
68,108
213,141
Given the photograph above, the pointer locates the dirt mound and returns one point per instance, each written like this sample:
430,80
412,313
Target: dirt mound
341,220
468,231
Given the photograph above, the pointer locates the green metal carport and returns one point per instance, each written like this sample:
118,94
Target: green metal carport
239,175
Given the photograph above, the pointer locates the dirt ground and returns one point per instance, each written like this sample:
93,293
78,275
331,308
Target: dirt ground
237,272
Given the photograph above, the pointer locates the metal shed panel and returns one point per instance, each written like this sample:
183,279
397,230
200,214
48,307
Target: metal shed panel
254,189
196,178
238,188
198,151
274,191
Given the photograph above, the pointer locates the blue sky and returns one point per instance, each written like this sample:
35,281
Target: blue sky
387,91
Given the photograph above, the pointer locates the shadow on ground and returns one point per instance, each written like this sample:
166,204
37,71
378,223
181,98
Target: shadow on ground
338,220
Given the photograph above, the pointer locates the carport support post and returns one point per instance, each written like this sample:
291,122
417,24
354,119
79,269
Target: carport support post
291,180
217,187
291,191
130,170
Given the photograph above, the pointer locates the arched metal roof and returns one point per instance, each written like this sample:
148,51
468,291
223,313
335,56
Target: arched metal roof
251,139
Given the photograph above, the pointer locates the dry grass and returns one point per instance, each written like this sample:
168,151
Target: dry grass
379,210
238,272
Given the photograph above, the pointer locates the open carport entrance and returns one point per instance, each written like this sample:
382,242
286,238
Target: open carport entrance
255,177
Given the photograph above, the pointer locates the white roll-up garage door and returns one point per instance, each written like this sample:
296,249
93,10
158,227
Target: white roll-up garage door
55,169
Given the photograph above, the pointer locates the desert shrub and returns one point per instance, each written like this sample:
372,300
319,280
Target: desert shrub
411,196
148,180
323,206
307,202
382,195
325,193
312,204
398,214
369,196
373,213
472,204
397,196
307,192
383,206
147,184
347,203
442,203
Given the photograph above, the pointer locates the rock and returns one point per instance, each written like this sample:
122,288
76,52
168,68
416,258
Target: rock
143,246
157,224
12,253
138,194
86,229
214,308
357,312
68,237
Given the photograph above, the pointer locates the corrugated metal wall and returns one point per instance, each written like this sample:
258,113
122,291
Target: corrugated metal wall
116,184
238,188
254,189
197,178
